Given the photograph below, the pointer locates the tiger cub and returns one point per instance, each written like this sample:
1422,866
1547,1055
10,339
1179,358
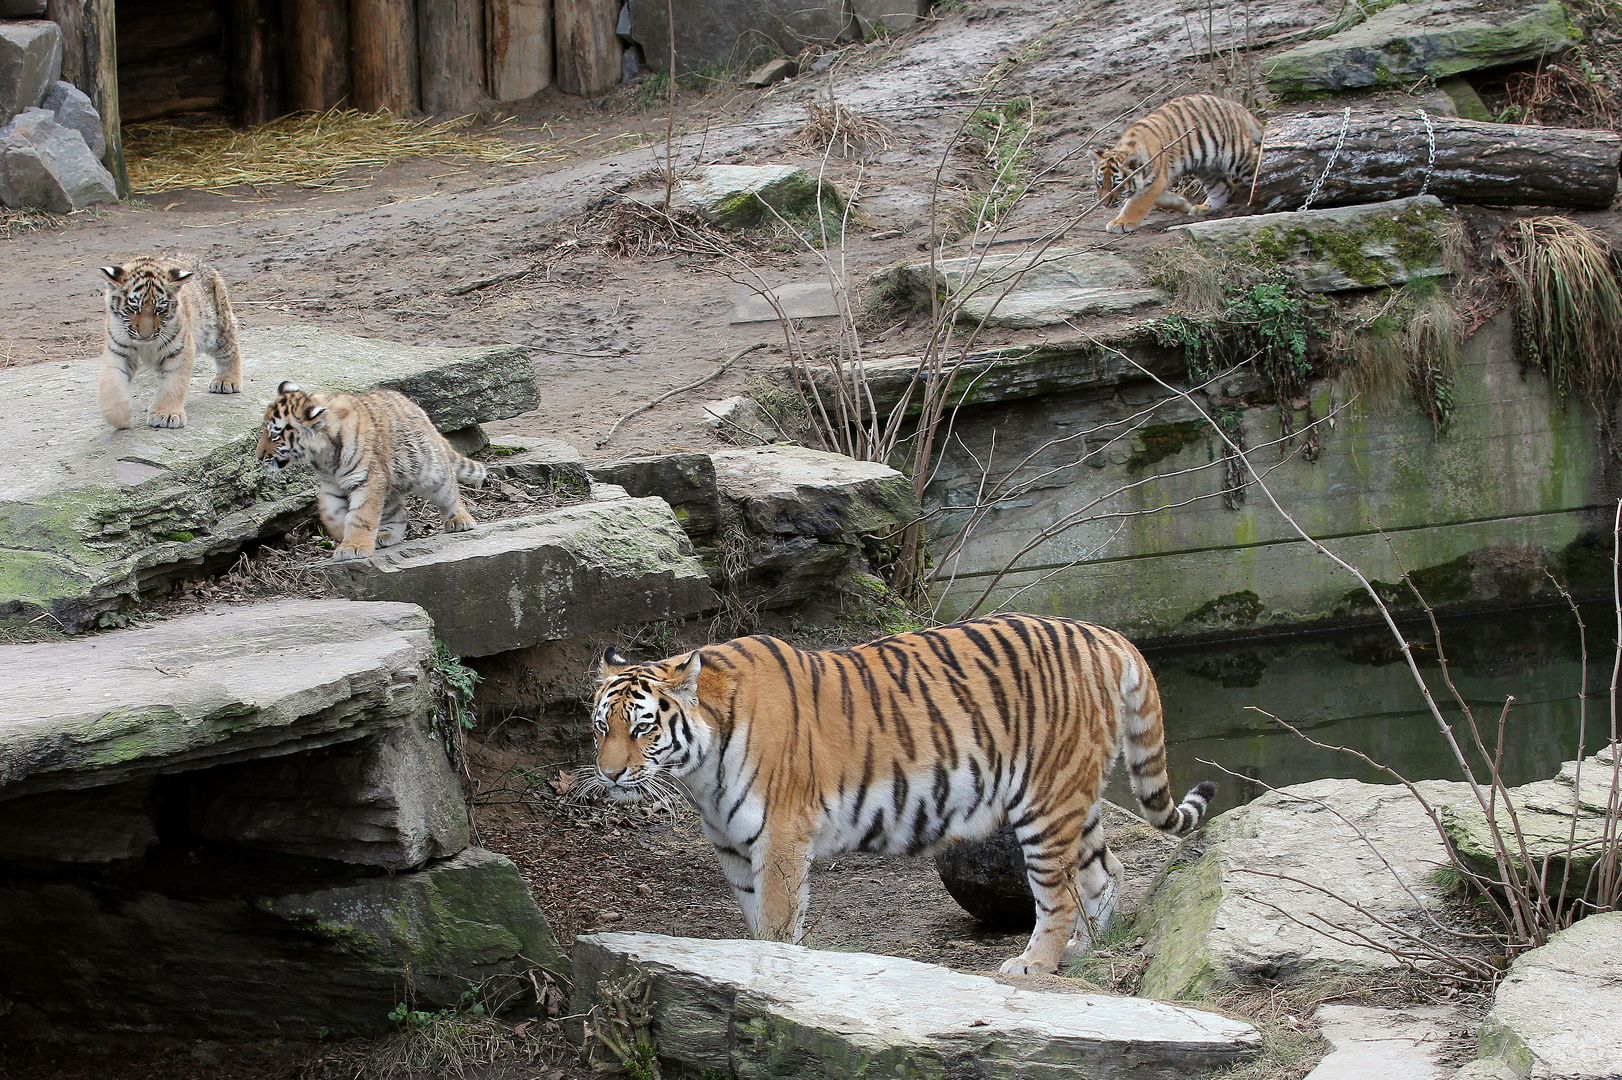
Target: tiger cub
160,311
1217,140
899,745
369,451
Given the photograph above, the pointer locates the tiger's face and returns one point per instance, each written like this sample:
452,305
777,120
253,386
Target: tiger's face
1113,175
143,297
293,424
645,724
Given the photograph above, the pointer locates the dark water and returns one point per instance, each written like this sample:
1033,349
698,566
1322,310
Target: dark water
1353,688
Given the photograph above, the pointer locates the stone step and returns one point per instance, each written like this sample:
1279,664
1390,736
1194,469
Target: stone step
1026,288
91,516
1430,38
764,1009
514,583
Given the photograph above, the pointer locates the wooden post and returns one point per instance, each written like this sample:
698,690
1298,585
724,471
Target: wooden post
255,32
69,15
589,52
518,34
383,45
101,84
450,35
316,53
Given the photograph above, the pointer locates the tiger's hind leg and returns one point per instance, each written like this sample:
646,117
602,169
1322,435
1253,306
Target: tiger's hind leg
1217,194
447,495
395,522
1098,873
1170,200
1050,861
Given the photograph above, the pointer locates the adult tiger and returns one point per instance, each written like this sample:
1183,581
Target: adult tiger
1217,140
899,745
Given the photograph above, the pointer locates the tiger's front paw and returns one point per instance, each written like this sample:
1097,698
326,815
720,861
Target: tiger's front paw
1119,226
460,523
1201,210
166,419
225,384
1021,965
349,552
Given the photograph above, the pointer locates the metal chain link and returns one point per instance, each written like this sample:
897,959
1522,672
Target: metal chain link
1345,122
1430,137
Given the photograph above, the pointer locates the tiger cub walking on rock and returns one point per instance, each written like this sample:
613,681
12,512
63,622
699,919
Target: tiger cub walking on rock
899,745
1217,140
369,451
160,311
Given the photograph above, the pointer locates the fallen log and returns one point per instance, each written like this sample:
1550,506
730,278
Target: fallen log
1384,155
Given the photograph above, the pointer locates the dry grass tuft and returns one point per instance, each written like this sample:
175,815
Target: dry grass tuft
309,148
16,222
847,132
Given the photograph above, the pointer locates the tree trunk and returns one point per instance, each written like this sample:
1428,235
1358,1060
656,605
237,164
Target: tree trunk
69,15
256,61
451,34
518,36
101,84
589,53
316,33
383,39
1388,155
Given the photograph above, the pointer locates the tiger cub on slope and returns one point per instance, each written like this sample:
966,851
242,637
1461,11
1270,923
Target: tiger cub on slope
370,451
160,311
1214,139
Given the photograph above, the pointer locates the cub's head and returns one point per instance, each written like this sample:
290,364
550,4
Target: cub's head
1114,174
647,723
143,295
293,423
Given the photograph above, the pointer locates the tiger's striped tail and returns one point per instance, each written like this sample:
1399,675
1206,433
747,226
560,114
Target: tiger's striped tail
468,471
1146,755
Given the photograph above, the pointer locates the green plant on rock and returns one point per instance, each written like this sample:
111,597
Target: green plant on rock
1001,137
454,683
1405,338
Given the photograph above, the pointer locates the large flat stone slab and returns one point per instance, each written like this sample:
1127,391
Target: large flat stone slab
1435,38
1025,289
91,516
1392,1044
1558,1013
218,687
516,583
1213,923
686,481
1376,245
764,1009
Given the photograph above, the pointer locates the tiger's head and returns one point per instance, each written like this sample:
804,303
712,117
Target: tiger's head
647,723
1115,174
143,296
294,429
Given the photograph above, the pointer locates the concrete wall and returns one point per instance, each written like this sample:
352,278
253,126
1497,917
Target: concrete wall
1512,485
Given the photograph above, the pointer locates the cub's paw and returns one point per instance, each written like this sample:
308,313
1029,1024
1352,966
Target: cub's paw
120,416
1201,210
1019,965
1119,226
349,552
166,419
225,385
460,523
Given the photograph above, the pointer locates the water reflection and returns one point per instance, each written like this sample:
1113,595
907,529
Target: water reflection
1352,688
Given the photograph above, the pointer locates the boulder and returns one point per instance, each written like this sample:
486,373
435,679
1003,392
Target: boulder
892,16
1404,43
741,421
1024,289
987,879
1373,246
30,61
1396,1044
1221,917
45,164
22,9
743,196
757,1009
734,33
73,109
548,461
1558,1012
686,481
772,72
518,582
92,517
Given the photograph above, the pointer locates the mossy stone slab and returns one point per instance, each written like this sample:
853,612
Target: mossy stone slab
1408,42
91,516
743,196
1342,248
1024,289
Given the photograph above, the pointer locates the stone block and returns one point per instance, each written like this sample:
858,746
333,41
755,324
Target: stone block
91,516
1404,43
686,481
743,196
45,164
741,421
734,33
30,61
800,300
73,109
515,583
893,16
772,72
1376,245
22,9
220,686
468,441
1025,289
758,1009
1220,916
1394,1044
392,800
550,461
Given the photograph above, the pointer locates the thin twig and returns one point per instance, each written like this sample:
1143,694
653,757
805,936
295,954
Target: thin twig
720,370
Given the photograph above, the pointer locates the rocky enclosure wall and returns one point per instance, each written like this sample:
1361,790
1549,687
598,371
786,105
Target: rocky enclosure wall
1515,483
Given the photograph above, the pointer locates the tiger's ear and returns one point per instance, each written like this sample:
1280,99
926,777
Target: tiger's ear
114,274
685,676
612,663
312,410
178,275
288,387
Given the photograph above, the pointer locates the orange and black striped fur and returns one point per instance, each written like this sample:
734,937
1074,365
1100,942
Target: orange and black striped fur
1202,135
160,311
899,745
370,451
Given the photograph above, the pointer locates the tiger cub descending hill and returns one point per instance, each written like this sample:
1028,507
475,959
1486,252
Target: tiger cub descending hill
899,745
160,311
1214,139
369,451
